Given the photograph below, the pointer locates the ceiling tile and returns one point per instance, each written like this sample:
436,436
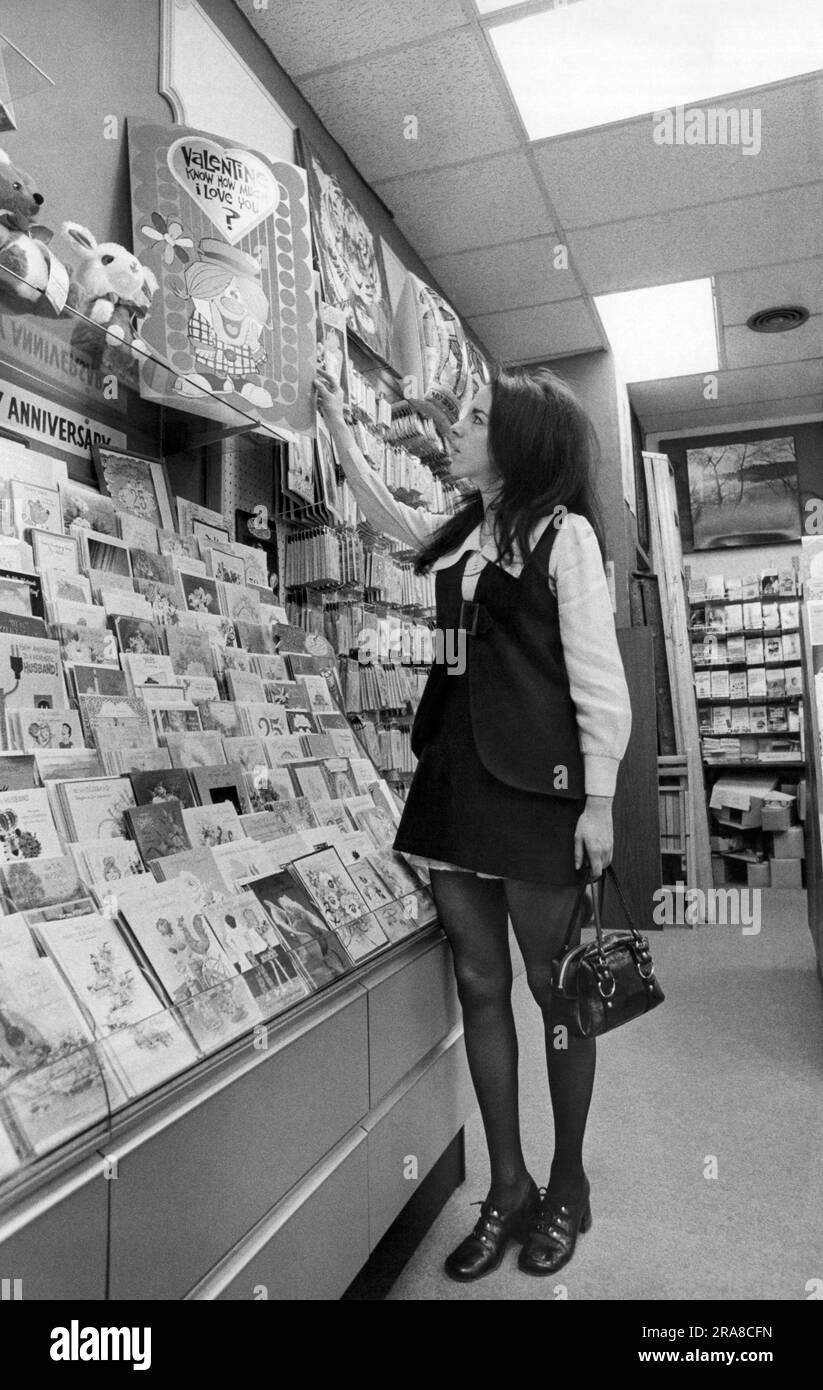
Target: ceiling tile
543,331
610,173
744,386
781,408
305,35
444,85
683,245
512,276
747,349
493,200
799,283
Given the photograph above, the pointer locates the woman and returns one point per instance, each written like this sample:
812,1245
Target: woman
518,749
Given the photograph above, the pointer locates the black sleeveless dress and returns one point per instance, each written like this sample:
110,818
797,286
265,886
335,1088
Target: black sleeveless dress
456,811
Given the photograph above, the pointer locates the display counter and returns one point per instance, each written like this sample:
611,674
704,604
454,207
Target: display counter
222,1185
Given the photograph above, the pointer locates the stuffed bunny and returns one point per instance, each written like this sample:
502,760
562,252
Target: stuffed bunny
32,280
108,275
112,288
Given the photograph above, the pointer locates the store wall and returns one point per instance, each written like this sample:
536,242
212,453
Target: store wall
591,376
103,56
247,43
740,561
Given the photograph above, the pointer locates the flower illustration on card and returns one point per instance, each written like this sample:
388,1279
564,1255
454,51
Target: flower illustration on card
170,233
199,600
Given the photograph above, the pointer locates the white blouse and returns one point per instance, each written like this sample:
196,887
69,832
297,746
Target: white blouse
597,681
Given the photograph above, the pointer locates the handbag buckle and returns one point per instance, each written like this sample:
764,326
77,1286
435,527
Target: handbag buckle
604,977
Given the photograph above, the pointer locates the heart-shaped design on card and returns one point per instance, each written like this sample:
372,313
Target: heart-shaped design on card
234,188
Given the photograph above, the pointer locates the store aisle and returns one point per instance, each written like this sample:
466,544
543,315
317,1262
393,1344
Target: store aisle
729,1066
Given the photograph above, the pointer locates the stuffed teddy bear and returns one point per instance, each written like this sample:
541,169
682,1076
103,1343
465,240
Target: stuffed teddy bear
114,290
32,280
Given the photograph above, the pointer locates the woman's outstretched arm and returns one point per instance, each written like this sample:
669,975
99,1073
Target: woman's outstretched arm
409,525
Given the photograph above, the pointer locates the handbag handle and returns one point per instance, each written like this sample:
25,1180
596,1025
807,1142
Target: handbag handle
593,882
575,912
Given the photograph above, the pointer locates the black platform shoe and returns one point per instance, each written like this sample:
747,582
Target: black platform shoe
553,1234
482,1251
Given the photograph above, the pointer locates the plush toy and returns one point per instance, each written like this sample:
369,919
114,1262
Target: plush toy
32,280
113,289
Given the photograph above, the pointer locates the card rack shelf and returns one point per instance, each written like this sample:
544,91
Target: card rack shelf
793,701
322,596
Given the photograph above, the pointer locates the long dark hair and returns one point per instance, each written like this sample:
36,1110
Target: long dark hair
544,447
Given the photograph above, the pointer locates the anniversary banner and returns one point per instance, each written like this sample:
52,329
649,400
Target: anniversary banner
227,234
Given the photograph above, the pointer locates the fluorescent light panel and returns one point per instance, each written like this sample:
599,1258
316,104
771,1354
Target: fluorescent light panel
599,61
663,331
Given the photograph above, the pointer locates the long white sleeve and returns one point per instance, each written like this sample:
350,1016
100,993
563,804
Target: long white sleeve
593,663
381,509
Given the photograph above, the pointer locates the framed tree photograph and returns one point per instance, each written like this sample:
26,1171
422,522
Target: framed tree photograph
135,484
744,492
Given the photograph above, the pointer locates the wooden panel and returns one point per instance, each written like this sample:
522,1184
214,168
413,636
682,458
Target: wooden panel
636,806
190,1191
60,1254
417,1125
814,793
667,557
314,1253
645,610
411,1007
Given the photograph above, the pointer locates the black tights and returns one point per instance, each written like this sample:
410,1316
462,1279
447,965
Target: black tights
473,913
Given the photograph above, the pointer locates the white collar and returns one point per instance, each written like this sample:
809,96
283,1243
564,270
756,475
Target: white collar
488,549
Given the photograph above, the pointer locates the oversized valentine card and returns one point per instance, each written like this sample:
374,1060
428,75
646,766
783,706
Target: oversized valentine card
226,232
350,257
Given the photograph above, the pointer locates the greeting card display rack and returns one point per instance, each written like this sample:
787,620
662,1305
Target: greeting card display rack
306,1114
748,670
382,695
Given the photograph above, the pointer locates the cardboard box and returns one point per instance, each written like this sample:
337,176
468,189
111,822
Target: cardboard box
740,800
778,811
758,875
788,844
786,873
725,844
797,790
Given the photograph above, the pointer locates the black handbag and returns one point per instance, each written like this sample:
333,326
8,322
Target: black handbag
600,984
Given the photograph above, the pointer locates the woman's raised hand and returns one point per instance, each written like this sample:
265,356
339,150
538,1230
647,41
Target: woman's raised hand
329,395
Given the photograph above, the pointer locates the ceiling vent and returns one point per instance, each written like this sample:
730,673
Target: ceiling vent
780,320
